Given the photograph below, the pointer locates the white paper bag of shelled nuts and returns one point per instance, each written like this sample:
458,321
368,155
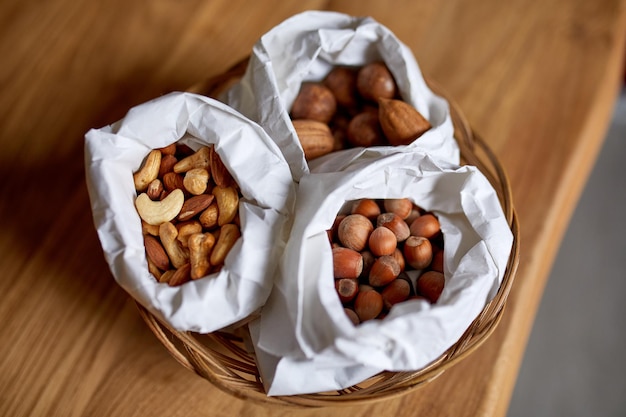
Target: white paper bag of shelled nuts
306,47
241,287
304,340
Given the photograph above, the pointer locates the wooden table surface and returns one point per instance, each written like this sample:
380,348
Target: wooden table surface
537,79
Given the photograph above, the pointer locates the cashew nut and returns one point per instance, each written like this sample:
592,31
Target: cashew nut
208,218
199,159
200,246
186,229
149,171
177,254
196,180
227,204
229,233
157,212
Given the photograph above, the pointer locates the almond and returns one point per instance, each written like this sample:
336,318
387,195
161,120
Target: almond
194,205
156,253
221,176
400,121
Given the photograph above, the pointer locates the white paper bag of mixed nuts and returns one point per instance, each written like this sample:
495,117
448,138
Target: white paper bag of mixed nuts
305,340
181,180
279,90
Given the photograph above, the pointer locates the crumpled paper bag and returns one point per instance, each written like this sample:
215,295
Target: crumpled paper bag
114,152
304,341
305,47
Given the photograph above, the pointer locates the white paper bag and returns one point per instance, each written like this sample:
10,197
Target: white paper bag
304,335
114,152
306,47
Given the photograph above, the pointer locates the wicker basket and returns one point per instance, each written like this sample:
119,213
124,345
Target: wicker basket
224,358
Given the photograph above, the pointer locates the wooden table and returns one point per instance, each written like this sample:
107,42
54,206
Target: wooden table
537,79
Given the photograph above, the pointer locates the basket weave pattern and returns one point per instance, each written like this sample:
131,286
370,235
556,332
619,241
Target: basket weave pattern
224,359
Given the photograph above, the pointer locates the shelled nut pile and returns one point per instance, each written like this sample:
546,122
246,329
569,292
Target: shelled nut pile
189,208
354,107
375,246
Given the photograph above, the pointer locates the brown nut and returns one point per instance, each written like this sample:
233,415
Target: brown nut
208,218
400,258
430,285
342,82
382,241
315,138
395,292
167,164
177,254
180,276
227,199
400,121
221,176
384,270
199,159
347,263
400,206
366,207
437,262
347,289
394,223
200,246
154,190
194,206
368,304
314,101
354,318
354,231
196,180
149,171
425,225
156,253
173,181
229,233
375,81
418,252
364,130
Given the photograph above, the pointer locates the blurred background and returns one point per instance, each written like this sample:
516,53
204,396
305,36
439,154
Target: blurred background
574,363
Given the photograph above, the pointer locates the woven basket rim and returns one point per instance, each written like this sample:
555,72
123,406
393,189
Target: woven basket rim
222,359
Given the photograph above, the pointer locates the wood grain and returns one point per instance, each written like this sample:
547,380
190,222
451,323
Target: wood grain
536,79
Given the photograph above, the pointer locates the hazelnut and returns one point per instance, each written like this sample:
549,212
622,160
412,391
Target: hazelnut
430,285
368,261
400,206
394,223
354,318
354,231
418,252
400,258
395,292
425,225
347,289
342,82
375,81
368,305
382,241
314,101
347,263
367,207
364,130
437,263
384,270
